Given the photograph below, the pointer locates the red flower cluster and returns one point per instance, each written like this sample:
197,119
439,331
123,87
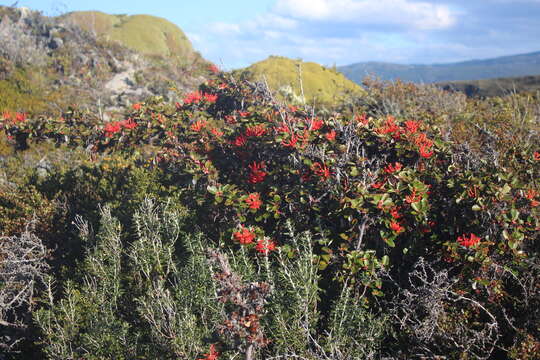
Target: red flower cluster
136,106
291,142
198,125
256,175
254,201
411,126
536,156
264,246
321,170
128,124
256,131
113,127
213,69
531,194
216,132
413,198
396,227
424,144
212,355
197,96
19,117
390,126
362,119
392,168
315,124
472,240
331,136
240,141
283,128
244,236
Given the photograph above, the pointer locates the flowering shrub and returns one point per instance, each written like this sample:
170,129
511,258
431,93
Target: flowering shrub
377,192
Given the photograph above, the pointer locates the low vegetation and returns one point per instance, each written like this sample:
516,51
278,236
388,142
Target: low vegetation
230,225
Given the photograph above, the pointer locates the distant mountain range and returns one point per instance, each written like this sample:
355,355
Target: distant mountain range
501,67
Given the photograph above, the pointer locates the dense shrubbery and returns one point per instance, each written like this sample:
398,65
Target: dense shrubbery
277,232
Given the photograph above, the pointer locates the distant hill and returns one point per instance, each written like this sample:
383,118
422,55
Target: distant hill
320,85
98,61
501,67
494,87
146,34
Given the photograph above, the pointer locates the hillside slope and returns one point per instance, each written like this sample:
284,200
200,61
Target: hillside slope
48,63
146,34
507,66
320,85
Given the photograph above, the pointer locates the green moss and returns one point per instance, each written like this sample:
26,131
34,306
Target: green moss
147,34
321,85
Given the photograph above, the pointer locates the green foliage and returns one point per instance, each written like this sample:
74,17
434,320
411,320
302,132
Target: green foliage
371,194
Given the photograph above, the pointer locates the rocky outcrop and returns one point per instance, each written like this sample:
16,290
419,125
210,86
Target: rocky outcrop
79,67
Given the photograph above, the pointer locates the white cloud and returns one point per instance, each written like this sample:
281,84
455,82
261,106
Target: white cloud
416,14
225,28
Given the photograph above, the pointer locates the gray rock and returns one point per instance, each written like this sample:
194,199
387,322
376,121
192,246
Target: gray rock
56,43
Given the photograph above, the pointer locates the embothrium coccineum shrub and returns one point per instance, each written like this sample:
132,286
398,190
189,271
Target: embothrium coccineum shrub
377,192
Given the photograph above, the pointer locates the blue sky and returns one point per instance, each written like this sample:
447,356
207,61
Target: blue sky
235,33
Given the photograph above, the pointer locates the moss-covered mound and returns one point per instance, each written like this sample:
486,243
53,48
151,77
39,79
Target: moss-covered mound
320,85
147,34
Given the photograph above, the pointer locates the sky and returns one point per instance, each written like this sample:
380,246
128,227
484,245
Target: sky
236,33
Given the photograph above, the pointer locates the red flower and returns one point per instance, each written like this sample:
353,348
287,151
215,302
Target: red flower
193,98
254,201
129,124
244,113
315,124
256,175
136,106
413,198
321,170
256,131
424,153
210,98
198,125
536,156
291,142
111,128
378,185
472,240
293,108
264,246
392,168
412,126
283,128
240,141
216,132
20,117
244,236
212,355
363,119
6,115
389,127
213,69
230,119
331,136
396,227
531,194
395,213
